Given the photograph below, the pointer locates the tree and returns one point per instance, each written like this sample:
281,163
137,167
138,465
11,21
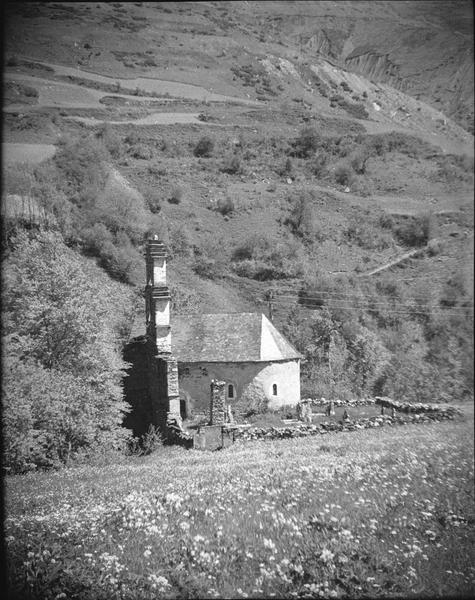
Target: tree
63,327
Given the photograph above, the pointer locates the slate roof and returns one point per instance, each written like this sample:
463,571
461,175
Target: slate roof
232,337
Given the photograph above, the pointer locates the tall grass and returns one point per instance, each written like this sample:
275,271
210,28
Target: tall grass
369,513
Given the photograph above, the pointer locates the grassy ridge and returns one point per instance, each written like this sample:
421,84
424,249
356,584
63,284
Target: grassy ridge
371,513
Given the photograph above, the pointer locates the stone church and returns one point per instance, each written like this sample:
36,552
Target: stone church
174,359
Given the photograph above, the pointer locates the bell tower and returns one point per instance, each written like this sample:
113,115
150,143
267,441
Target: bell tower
157,305
157,296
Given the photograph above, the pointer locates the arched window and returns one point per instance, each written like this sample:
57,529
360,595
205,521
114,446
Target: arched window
230,391
274,389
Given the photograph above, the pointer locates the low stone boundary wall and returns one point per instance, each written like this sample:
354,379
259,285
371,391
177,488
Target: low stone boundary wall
417,408
348,403
305,430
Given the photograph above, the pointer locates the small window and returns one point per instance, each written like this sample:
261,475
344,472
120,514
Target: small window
274,389
230,391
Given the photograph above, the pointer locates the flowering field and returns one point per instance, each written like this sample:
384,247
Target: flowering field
378,513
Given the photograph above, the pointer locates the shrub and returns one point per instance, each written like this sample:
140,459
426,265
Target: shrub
30,92
204,147
141,151
287,169
355,110
415,231
318,164
359,160
82,166
156,169
111,140
306,143
153,200
365,234
121,209
180,241
13,61
176,195
232,165
225,206
262,258
344,174
302,219
206,267
386,221
146,444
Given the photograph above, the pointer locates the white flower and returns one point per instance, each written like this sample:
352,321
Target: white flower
326,556
269,544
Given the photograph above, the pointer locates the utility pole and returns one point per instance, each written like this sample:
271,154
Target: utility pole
269,296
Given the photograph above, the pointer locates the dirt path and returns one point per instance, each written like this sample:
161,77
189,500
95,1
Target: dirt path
69,95
162,118
150,85
394,262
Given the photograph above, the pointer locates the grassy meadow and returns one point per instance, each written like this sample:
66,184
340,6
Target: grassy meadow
372,513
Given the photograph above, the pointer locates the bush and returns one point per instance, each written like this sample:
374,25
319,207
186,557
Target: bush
206,267
262,258
121,209
176,195
204,147
344,174
82,166
225,206
319,163
111,140
12,61
232,165
180,241
307,143
141,151
302,219
30,92
287,169
363,232
355,110
415,231
149,442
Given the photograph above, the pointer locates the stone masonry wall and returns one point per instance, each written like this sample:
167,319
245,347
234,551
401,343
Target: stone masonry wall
218,402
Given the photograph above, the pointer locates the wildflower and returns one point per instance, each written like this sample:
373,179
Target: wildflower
269,544
184,526
158,581
326,556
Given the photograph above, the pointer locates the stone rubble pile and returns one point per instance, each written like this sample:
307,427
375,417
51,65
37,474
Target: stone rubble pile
305,430
354,402
417,408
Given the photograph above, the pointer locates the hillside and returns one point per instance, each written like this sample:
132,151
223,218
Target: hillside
285,147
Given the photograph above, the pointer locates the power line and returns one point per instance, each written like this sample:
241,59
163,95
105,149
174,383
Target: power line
366,302
407,312
327,296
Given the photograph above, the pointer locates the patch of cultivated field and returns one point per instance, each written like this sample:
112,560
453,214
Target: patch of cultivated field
367,513
28,153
